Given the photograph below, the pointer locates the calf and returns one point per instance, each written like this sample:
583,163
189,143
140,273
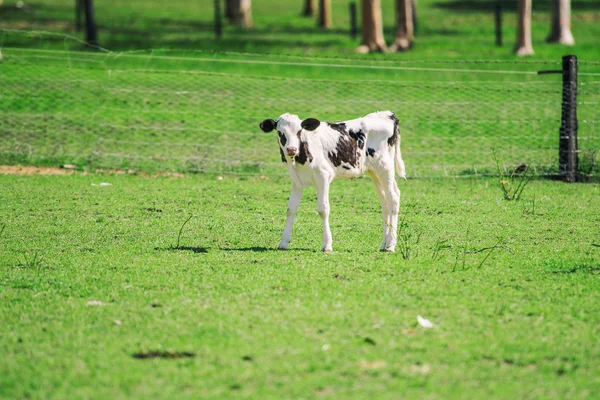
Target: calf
317,152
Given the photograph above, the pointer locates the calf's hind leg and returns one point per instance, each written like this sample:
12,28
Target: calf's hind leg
384,207
392,195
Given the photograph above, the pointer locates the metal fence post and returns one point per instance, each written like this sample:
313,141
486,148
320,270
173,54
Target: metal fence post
498,15
218,23
568,159
353,25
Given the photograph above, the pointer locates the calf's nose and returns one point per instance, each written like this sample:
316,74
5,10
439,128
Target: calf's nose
291,151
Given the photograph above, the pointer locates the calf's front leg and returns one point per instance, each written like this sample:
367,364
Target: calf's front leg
293,204
322,184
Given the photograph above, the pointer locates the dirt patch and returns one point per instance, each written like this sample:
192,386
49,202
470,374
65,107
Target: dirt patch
22,170
163,354
30,170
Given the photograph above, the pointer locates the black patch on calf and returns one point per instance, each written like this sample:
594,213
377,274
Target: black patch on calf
371,152
346,152
282,138
345,167
341,128
282,156
349,146
359,137
392,140
303,154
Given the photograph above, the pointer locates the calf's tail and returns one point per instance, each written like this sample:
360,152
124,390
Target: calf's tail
400,168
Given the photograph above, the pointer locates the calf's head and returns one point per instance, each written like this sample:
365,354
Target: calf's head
288,128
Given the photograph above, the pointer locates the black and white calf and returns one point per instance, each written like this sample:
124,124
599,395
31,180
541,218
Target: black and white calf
317,152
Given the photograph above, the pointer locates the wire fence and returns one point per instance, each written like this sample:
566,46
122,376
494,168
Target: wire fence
199,112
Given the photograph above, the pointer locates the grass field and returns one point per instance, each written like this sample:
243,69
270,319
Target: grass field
519,321
107,292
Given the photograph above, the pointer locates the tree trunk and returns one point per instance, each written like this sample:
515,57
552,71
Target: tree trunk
524,47
309,8
91,31
325,14
372,27
561,23
404,25
241,13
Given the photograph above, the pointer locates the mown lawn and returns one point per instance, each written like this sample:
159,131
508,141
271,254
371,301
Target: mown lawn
174,104
519,321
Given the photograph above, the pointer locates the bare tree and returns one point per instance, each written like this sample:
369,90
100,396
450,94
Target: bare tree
372,27
523,46
241,12
309,8
91,31
561,23
405,26
325,14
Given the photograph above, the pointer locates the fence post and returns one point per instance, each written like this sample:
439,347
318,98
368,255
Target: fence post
353,25
568,158
78,13
91,35
218,23
498,14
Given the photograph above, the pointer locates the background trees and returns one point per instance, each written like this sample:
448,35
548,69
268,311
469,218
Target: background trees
560,23
524,46
404,25
560,26
372,27
309,8
325,14
239,12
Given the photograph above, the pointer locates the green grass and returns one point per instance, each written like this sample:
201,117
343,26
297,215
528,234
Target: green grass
264,323
206,307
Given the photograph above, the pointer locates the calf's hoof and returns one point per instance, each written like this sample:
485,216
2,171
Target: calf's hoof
327,250
388,250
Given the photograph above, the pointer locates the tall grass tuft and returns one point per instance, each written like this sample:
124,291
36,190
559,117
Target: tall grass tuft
513,184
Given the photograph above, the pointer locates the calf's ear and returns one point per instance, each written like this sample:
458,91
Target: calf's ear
268,125
310,124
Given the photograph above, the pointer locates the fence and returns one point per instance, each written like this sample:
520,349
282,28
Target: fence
173,111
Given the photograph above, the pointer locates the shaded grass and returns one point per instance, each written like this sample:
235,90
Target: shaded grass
446,29
265,323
